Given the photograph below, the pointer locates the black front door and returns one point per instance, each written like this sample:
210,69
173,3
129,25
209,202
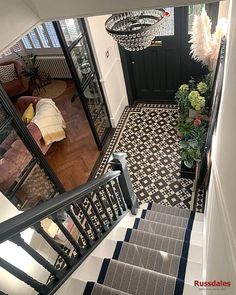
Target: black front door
156,72
156,69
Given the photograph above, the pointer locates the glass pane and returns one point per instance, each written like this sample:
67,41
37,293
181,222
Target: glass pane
192,11
168,28
71,29
34,39
3,115
81,59
26,42
43,36
14,157
36,187
22,181
52,34
96,106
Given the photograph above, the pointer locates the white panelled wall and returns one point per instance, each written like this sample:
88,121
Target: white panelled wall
220,215
109,66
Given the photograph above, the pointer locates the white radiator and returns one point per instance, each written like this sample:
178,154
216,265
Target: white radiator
55,65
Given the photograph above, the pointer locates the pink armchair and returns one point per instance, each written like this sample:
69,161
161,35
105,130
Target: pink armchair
19,86
22,103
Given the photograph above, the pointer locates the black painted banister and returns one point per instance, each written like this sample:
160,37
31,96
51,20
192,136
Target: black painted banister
92,210
28,218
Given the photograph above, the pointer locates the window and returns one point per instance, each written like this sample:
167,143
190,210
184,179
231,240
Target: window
71,30
43,36
167,29
192,11
16,48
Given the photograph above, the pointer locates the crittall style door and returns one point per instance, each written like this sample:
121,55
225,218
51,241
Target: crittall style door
75,43
26,179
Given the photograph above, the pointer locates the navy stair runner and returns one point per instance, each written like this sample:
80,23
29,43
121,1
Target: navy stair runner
152,259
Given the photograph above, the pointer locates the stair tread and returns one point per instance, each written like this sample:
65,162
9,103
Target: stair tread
158,261
169,210
99,289
166,218
157,242
159,228
136,280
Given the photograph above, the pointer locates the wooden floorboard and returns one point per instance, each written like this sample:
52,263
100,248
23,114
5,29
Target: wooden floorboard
73,158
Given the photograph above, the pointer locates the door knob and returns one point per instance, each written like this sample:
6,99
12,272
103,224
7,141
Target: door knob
132,62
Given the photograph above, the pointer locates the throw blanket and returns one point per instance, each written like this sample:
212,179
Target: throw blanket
49,120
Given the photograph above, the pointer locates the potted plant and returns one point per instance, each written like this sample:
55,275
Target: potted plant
31,70
190,154
192,123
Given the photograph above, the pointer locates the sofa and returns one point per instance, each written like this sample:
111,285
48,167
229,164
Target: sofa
15,87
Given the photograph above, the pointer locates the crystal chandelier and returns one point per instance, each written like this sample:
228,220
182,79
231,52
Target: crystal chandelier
135,30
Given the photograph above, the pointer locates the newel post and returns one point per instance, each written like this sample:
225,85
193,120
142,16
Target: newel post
118,162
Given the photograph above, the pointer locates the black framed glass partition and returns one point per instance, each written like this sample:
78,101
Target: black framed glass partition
76,46
26,179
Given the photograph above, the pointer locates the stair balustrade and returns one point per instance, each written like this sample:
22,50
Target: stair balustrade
94,208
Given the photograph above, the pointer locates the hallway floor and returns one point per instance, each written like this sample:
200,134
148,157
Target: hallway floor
74,157
147,133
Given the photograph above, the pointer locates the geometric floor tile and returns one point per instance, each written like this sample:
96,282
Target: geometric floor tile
147,134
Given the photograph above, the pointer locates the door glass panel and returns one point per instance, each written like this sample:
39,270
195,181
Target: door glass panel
3,115
14,157
71,29
192,11
81,59
37,187
22,181
168,28
82,66
96,106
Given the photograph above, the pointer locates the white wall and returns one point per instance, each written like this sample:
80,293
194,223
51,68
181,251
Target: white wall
110,69
7,210
220,247
54,9
223,8
16,19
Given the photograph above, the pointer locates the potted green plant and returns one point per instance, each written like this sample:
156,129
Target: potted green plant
31,70
190,154
192,123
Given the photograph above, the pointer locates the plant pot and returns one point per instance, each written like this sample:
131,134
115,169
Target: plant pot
186,172
192,113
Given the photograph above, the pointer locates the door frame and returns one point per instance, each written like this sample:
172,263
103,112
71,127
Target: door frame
127,68
66,50
212,10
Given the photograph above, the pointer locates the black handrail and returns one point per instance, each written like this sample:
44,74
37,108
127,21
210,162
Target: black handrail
94,208
28,218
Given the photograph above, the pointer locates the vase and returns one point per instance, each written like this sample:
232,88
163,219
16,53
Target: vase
192,113
186,172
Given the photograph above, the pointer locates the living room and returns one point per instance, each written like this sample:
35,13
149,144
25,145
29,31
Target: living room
36,68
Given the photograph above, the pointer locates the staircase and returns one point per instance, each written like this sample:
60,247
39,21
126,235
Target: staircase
158,251
120,247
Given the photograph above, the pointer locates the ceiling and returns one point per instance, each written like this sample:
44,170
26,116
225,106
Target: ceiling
17,17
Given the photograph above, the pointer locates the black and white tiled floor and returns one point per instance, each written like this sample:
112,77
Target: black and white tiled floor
147,133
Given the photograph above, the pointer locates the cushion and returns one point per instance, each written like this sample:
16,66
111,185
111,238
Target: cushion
28,114
7,73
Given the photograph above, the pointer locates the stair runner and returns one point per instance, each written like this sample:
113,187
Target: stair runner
152,259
